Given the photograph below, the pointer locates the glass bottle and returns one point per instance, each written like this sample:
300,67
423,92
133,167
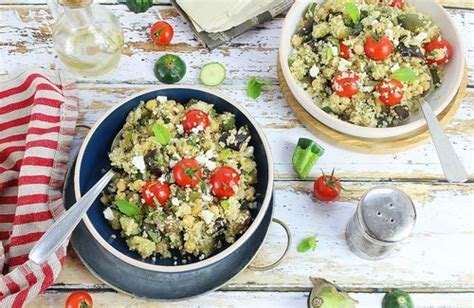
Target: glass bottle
87,37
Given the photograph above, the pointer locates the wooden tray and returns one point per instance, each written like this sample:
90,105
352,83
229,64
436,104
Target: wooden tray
369,146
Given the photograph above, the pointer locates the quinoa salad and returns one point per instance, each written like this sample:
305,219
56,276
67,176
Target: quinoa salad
368,62
185,180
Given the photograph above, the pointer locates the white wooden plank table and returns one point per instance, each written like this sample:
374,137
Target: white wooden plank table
436,264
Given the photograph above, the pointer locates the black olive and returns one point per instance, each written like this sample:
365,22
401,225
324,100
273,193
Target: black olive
402,112
219,226
410,51
307,29
150,161
357,29
237,144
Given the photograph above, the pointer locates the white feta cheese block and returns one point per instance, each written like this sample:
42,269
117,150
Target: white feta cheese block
139,163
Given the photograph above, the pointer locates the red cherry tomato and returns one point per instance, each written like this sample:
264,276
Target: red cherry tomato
346,84
79,299
391,92
345,51
224,180
327,188
155,190
396,3
378,50
161,33
195,118
436,48
187,172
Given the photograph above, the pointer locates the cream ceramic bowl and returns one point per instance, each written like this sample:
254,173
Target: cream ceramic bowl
438,100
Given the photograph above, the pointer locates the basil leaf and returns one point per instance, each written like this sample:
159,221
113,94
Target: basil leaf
307,244
254,87
128,208
404,74
162,135
353,12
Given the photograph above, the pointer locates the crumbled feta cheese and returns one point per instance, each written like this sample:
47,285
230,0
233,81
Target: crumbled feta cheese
367,89
207,198
162,178
389,34
180,129
314,71
335,51
175,201
162,99
207,216
395,67
108,214
343,65
139,162
206,162
197,129
421,37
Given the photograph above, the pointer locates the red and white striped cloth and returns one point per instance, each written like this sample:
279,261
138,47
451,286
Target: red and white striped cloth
38,112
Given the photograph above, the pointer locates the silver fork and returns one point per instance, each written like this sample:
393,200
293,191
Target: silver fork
452,167
63,227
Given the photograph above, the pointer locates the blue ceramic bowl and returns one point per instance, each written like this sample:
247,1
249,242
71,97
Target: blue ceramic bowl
93,159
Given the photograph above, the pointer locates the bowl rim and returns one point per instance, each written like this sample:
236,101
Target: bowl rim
345,127
214,258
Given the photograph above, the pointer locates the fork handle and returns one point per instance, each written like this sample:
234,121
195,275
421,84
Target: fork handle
63,227
452,166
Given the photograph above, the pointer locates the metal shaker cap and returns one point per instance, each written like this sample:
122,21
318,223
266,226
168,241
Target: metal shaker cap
386,214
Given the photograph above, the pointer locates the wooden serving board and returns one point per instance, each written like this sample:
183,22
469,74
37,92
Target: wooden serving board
370,146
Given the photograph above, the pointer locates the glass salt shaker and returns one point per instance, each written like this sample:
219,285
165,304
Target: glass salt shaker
87,37
385,216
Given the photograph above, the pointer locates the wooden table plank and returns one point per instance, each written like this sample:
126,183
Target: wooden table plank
251,299
466,4
283,130
434,259
25,29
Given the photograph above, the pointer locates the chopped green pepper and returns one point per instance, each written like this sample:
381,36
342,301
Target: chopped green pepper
305,156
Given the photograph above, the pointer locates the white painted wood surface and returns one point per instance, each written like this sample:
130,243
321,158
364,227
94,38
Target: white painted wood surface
438,256
255,299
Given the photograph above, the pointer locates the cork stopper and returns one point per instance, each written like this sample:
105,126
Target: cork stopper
75,3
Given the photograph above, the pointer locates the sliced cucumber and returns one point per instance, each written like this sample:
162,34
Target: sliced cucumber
212,74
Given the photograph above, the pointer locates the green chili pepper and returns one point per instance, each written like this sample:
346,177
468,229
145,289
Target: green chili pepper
305,156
